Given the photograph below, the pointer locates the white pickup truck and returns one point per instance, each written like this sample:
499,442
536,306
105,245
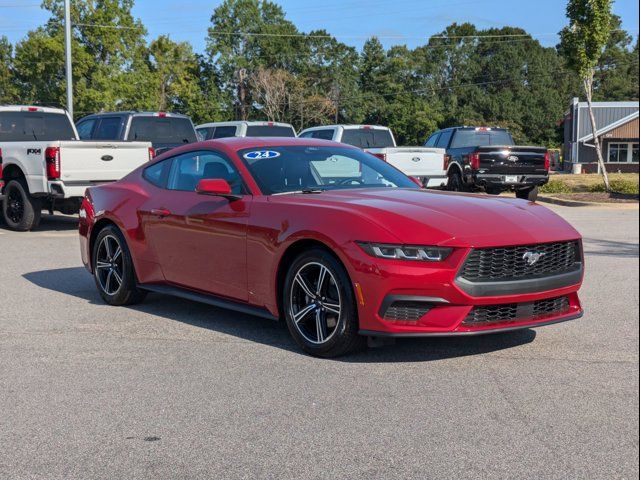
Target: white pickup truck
43,165
425,163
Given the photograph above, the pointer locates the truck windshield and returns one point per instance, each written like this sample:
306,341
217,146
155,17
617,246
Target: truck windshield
270,131
162,130
480,138
35,126
368,138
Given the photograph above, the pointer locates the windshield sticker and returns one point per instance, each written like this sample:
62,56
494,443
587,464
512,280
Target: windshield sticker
261,154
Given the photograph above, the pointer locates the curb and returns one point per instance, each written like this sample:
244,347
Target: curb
575,203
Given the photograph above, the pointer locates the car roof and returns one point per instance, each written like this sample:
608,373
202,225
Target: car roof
348,127
25,108
244,122
135,113
240,143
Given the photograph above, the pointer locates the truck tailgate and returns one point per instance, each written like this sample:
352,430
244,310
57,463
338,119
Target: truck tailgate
95,162
512,159
414,161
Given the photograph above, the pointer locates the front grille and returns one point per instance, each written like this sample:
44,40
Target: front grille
511,312
510,263
406,311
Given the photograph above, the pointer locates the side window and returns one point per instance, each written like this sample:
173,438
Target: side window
431,142
85,128
188,169
443,141
108,129
306,135
224,132
201,133
157,173
323,134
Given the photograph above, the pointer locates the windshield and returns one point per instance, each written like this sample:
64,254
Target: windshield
367,138
481,138
270,131
35,126
293,169
162,130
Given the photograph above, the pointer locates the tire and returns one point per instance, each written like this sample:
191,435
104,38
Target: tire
530,193
113,269
455,184
329,328
21,212
493,191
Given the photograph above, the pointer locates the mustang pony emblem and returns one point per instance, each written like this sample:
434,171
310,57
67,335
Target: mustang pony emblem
532,257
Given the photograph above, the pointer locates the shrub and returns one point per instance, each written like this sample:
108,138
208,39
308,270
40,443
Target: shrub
618,186
556,186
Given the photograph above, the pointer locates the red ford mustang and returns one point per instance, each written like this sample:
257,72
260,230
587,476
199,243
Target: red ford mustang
333,240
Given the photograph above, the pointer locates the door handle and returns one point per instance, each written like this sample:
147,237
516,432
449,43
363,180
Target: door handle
160,212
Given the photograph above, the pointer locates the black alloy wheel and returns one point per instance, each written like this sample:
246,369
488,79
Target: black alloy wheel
319,305
113,269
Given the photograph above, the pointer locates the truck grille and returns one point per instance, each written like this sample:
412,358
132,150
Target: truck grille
510,263
510,312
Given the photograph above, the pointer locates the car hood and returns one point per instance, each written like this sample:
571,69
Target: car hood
444,218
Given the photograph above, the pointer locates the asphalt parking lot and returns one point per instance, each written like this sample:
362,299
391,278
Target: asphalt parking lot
174,389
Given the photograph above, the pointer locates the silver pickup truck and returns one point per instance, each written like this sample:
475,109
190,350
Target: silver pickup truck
43,165
425,163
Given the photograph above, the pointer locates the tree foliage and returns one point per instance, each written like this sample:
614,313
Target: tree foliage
258,65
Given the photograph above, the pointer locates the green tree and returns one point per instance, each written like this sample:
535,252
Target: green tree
246,35
616,77
582,44
102,55
8,91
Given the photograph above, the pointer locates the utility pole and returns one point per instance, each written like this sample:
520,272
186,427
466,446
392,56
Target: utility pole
67,48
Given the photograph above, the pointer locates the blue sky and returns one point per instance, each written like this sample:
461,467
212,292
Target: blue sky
407,22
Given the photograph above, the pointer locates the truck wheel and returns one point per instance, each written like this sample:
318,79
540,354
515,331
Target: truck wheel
493,191
530,194
21,212
455,182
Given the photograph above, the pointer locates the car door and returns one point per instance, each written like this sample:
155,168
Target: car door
200,240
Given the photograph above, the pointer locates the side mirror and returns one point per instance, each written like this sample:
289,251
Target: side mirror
216,187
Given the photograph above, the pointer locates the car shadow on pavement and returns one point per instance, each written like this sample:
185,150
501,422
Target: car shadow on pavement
78,283
610,248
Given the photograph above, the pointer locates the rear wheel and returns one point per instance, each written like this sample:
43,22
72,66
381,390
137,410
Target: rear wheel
456,183
113,269
319,305
21,212
493,191
530,193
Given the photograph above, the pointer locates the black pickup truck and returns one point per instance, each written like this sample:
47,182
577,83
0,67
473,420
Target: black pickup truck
487,158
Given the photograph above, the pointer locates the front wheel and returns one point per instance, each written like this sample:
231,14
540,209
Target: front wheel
319,305
21,211
530,193
113,269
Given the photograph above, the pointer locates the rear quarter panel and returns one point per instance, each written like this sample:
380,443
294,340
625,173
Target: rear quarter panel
119,203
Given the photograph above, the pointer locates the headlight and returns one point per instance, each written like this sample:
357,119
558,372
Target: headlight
406,252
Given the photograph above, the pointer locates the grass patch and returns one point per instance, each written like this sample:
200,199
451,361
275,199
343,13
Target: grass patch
556,186
566,183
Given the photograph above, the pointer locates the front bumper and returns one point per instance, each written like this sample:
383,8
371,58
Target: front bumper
472,333
444,306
